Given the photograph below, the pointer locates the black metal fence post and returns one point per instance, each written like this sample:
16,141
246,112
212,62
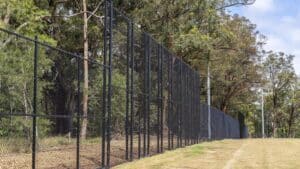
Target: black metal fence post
172,103
139,122
181,106
35,83
131,89
149,92
110,67
104,87
188,103
78,116
169,100
162,54
127,91
145,92
158,99
186,108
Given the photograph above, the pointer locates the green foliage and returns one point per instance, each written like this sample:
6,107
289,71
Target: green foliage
281,83
16,66
118,102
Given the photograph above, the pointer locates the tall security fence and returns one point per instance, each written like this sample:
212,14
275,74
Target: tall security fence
142,100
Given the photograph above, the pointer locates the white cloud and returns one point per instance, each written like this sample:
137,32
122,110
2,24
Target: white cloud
263,5
294,34
288,20
276,44
279,21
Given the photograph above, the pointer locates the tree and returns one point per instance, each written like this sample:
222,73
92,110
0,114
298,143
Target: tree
280,71
85,70
16,70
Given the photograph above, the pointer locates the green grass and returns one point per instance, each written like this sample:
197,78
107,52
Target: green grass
163,160
195,150
227,154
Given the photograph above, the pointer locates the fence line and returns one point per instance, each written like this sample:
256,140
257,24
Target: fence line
159,108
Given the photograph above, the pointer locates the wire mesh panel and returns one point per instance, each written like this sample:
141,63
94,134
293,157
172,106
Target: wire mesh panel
120,95
16,101
16,93
203,122
33,80
142,100
56,126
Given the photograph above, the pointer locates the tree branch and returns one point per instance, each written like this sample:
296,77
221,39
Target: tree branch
11,37
235,4
80,13
95,10
68,16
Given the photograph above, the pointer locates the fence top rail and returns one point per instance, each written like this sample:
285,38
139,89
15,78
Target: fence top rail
67,53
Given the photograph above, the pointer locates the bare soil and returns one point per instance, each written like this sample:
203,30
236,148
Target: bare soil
64,156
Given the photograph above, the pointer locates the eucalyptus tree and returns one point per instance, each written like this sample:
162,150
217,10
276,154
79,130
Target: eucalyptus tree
281,74
65,25
295,123
291,107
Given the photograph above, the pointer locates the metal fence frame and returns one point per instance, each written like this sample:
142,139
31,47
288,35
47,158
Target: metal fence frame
186,121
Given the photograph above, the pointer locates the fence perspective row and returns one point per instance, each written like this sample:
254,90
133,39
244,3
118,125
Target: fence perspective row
142,100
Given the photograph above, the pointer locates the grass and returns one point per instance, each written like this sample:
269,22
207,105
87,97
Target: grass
53,152
169,159
23,145
195,150
227,154
16,145
59,153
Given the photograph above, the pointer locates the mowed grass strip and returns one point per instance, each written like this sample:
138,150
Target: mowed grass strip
205,155
269,154
227,154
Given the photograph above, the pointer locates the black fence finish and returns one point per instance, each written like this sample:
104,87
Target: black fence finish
163,109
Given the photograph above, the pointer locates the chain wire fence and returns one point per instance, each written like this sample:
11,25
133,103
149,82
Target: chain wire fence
143,100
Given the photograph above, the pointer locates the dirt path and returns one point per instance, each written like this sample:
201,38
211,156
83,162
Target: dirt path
236,155
228,154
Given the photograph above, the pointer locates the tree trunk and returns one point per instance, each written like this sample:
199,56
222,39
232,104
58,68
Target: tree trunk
274,124
85,71
291,120
274,117
7,15
274,129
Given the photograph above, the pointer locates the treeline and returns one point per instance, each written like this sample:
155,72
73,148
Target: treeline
196,30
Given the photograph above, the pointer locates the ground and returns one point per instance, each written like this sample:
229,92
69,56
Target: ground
227,154
59,153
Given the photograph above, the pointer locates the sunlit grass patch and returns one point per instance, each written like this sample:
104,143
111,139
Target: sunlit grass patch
163,160
195,150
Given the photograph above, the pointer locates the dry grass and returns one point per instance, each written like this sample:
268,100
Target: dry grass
53,152
60,153
270,154
228,154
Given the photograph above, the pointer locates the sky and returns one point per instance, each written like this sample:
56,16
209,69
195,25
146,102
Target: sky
279,21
